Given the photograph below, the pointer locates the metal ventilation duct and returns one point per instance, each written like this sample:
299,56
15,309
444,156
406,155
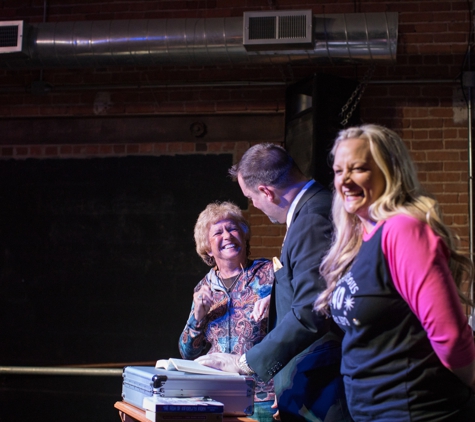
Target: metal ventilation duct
281,30
11,34
187,42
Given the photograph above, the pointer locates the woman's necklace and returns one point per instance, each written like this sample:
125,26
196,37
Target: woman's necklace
227,283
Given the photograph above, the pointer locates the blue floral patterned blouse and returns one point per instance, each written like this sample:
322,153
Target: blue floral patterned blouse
228,327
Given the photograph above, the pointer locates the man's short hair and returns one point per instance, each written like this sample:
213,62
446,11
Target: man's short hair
265,164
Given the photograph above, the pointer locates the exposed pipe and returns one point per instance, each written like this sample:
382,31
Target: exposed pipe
470,174
468,81
357,37
44,370
222,84
470,195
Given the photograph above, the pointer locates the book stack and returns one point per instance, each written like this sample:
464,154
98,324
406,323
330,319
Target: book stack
190,409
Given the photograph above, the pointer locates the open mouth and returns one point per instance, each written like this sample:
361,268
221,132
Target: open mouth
230,246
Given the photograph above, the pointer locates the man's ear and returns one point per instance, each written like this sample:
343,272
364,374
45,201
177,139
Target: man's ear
267,191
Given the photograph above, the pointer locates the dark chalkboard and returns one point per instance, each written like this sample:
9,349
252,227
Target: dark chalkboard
97,255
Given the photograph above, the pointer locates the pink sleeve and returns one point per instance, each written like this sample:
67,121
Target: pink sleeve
418,263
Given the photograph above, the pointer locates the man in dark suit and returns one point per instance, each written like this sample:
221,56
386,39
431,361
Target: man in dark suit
302,350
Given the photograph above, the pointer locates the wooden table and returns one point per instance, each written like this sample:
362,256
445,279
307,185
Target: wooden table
129,413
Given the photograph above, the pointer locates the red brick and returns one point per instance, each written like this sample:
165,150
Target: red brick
188,147
160,148
36,151
455,209
105,149
259,219
7,151
447,198
145,148
175,147
443,177
132,149
437,133
424,123
460,219
455,187
456,145
65,150
450,38
434,6
270,230
459,5
454,21
255,241
214,147
443,156
51,151
430,166
411,112
91,149
228,146
119,149
265,252
419,156
453,166
21,151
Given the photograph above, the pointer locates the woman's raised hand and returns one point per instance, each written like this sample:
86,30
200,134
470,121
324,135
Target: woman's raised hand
203,299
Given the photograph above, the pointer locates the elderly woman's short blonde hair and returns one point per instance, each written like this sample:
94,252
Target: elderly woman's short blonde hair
213,213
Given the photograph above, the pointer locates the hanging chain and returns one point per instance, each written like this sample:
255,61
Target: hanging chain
356,97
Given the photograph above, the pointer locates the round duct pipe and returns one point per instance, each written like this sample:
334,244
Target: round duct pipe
358,37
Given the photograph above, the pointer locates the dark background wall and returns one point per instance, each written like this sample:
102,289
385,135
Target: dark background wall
98,265
98,255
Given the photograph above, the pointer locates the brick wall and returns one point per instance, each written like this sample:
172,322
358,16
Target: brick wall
419,96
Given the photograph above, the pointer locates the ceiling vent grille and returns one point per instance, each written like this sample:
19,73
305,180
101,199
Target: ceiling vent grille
282,30
11,35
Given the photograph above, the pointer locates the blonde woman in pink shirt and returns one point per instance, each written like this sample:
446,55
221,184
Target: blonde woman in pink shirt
394,275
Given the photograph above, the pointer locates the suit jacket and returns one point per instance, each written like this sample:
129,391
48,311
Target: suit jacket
300,342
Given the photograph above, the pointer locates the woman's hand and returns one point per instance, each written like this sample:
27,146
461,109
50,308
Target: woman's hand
261,309
203,299
224,361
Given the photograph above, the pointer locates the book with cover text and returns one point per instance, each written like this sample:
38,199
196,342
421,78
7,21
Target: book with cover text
182,404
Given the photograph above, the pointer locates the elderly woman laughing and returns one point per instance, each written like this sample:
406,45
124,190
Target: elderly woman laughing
229,310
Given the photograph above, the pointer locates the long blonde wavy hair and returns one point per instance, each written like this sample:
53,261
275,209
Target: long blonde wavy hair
403,194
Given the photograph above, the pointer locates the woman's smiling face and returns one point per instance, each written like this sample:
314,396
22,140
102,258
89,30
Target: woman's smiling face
358,179
227,241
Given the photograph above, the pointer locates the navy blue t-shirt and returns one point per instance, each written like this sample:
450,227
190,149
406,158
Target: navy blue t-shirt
390,369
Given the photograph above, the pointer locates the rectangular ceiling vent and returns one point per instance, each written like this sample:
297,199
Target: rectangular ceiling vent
278,30
11,36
